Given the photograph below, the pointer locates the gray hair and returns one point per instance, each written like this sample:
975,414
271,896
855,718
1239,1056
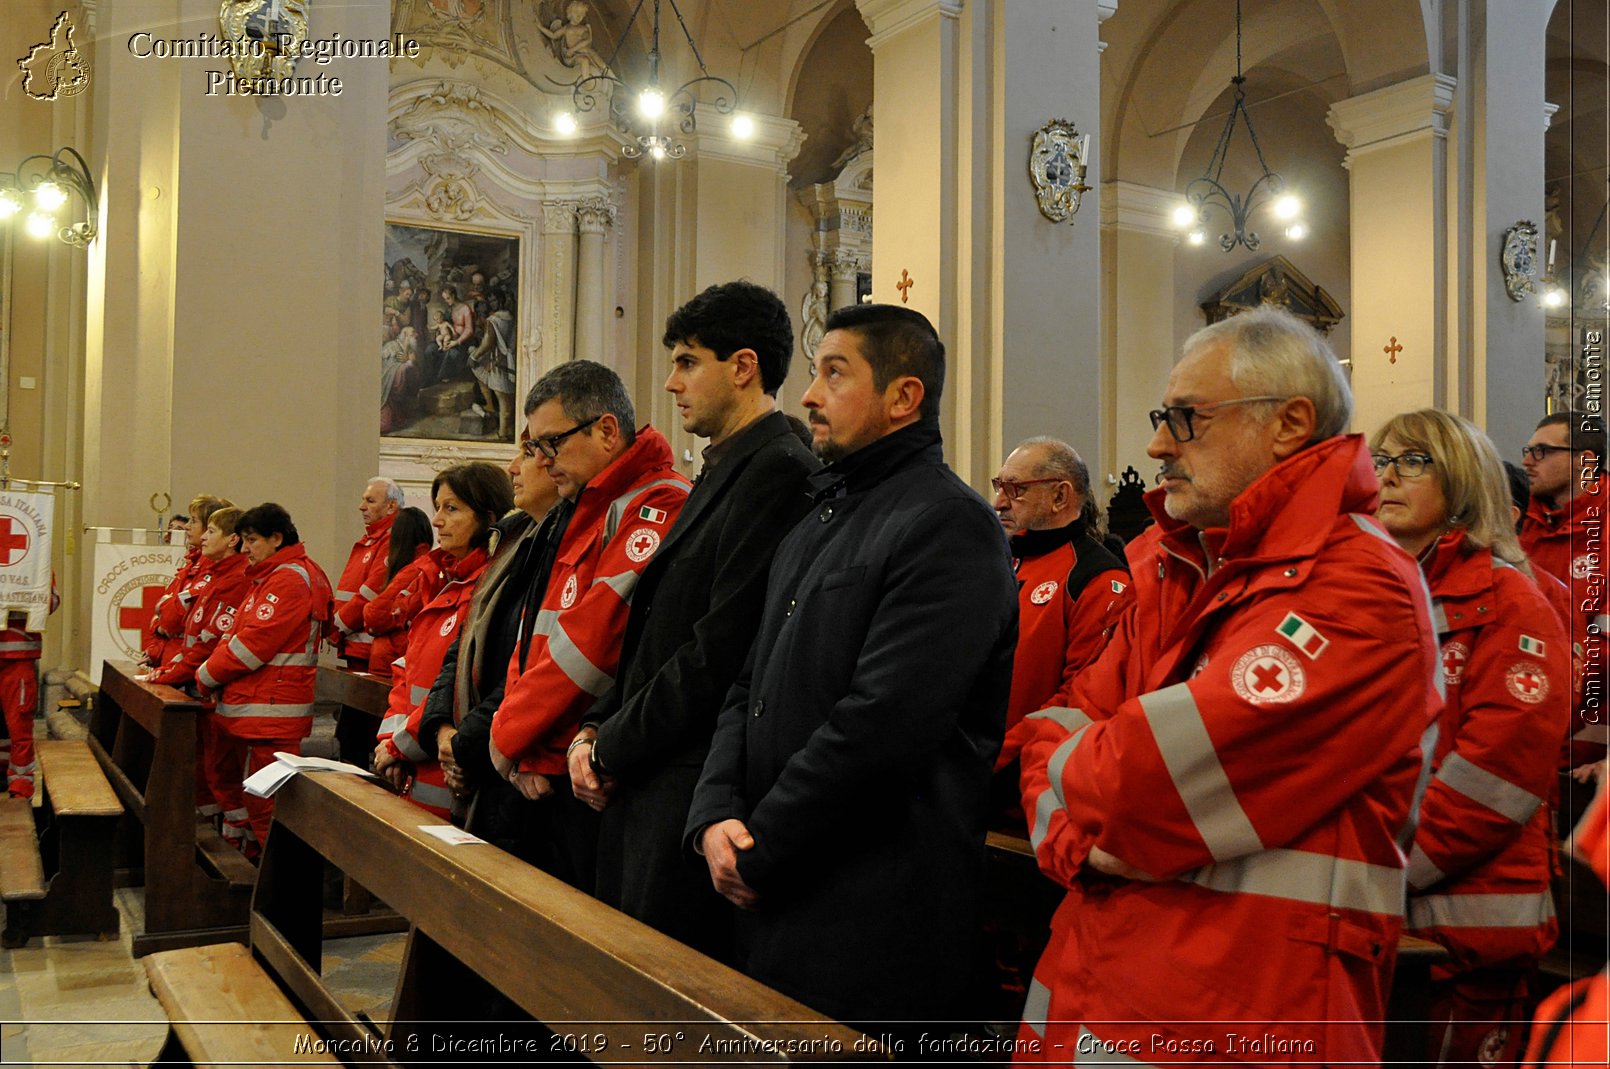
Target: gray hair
586,390
1273,352
393,491
1059,460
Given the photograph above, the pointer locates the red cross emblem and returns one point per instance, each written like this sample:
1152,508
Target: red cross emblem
133,618
641,544
1526,683
1454,655
1268,675
13,541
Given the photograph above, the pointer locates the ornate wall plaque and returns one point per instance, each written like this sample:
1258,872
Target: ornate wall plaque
266,35
1518,258
1058,157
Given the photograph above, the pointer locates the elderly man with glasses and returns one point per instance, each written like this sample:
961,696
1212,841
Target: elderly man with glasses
1224,793
618,497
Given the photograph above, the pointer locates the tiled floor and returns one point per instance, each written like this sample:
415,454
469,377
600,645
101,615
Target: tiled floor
79,1002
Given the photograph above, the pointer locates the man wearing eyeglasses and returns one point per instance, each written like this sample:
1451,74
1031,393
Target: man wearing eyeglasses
1563,534
1224,796
1070,587
619,497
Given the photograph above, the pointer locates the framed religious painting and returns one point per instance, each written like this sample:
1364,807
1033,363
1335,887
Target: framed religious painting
449,337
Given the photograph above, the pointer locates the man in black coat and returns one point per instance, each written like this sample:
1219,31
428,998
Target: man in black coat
695,611
844,800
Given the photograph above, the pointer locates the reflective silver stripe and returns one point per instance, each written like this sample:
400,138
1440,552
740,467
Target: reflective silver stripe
430,794
206,679
14,647
1037,1007
1439,622
622,584
408,746
1481,911
191,640
1044,806
343,595
1071,719
1058,764
237,815
1301,876
393,723
366,592
1439,617
247,657
1428,751
360,636
208,636
304,659
1090,1050
575,665
258,709
1182,738
24,769
1602,622
1593,733
545,621
341,625
417,694
612,515
233,831
211,809
1422,871
1492,791
299,570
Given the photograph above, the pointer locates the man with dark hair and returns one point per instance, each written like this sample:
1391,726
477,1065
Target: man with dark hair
1563,534
619,497
844,800
695,611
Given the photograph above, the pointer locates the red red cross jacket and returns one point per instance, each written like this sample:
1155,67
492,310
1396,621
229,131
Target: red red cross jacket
20,644
1059,629
362,579
218,594
1568,543
163,634
1479,868
267,662
386,617
621,517
1248,747
432,632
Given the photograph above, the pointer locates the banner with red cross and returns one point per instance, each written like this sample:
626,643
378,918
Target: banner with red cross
25,529
129,581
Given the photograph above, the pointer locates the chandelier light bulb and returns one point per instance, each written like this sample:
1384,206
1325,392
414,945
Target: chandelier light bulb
565,123
743,127
1297,231
9,204
1287,207
1553,297
657,151
40,225
651,104
1184,216
1197,237
49,196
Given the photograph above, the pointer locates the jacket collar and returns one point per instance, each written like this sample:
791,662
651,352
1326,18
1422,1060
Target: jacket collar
472,563
1039,543
284,555
1570,515
233,564
1273,519
649,454
911,445
379,527
1456,569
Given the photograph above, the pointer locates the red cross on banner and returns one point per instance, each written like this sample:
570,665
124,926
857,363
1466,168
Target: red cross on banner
13,541
133,618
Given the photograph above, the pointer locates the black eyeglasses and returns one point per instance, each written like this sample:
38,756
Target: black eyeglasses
1538,452
1181,419
1407,465
549,446
1015,490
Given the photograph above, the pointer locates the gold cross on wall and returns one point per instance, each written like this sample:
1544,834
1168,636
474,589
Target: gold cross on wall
1392,349
904,286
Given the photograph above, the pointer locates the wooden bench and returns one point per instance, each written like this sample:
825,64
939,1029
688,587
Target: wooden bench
223,1009
22,874
73,854
369,694
481,921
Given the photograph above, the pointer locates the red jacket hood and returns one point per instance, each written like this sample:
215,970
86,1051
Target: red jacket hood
379,527
648,457
1570,516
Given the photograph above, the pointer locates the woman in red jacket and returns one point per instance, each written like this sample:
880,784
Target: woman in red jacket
267,659
1479,868
411,581
470,499
163,635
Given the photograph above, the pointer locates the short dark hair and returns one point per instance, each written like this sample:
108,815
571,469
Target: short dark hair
897,341
585,390
267,520
410,529
1584,433
1520,490
484,487
737,315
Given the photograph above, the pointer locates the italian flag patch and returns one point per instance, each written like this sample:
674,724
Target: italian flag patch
652,515
1303,635
1532,645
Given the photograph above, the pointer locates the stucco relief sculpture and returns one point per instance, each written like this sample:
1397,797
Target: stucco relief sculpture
861,129
265,24
1058,158
572,41
1518,259
813,317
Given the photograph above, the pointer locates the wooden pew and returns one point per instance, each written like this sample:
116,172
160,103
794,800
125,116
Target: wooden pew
22,874
611,989
78,820
197,887
369,694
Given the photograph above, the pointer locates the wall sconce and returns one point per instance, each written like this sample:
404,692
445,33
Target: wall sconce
42,186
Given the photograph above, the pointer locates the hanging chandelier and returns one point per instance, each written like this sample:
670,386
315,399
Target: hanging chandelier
650,113
43,186
1207,193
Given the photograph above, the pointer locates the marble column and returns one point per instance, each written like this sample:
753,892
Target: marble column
594,216
559,287
844,268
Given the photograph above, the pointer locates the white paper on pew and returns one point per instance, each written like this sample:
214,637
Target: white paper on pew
271,777
450,835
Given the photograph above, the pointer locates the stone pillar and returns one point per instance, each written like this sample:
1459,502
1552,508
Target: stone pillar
559,288
231,342
594,216
845,266
1396,139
